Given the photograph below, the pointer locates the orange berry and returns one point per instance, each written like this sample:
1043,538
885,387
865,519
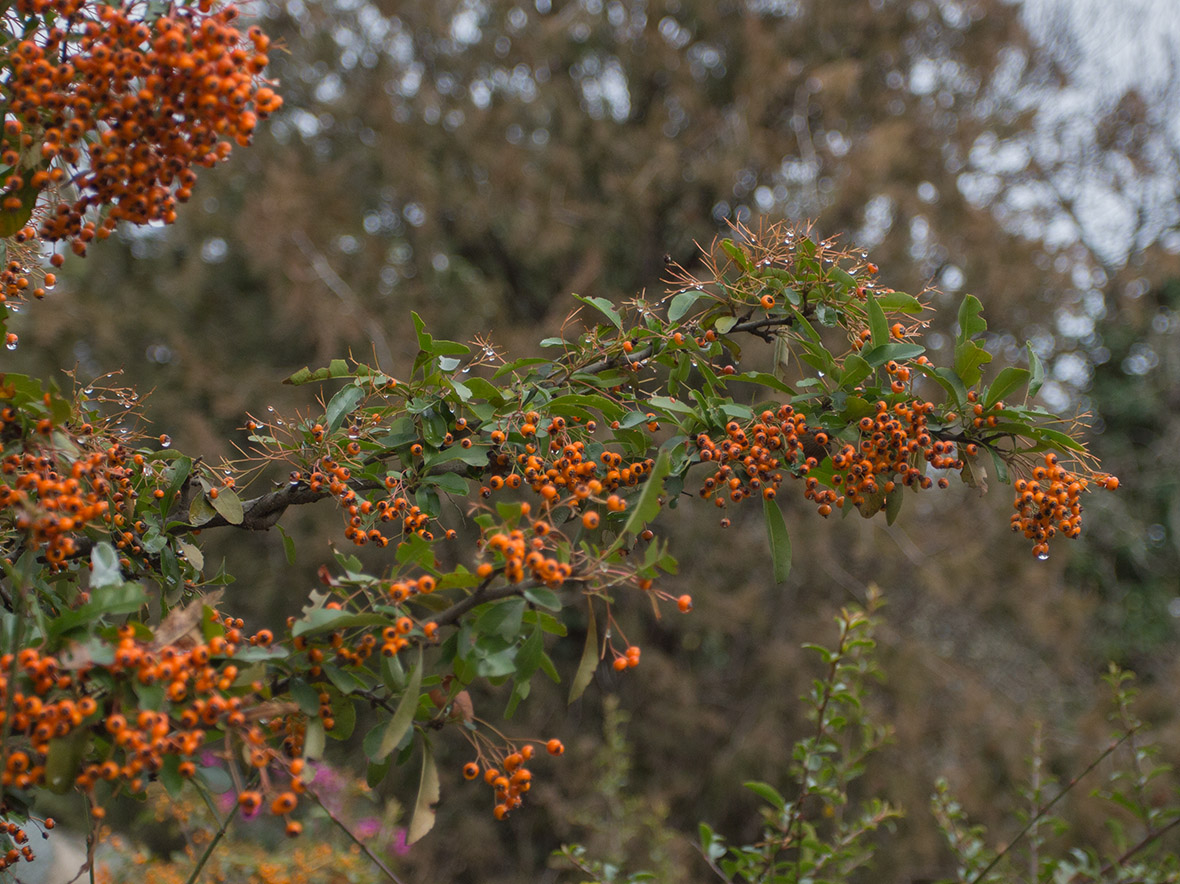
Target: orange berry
684,603
555,747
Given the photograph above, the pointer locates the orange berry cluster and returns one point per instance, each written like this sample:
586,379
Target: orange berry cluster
512,782
17,281
49,507
1049,503
563,473
197,679
749,461
521,555
333,477
123,109
892,441
18,837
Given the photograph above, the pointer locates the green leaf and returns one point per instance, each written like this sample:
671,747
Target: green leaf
403,716
528,658
969,356
1007,381
228,505
898,352
192,553
970,322
422,820
724,324
288,545
451,483
542,597
878,324
682,303
589,661
647,507
767,793
337,368
737,254
341,405
605,307
900,302
13,220
780,540
104,561
328,619
501,618
200,511
843,279
893,504
856,369
1037,379
64,760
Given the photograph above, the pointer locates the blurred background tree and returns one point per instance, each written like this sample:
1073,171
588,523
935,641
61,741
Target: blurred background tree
478,160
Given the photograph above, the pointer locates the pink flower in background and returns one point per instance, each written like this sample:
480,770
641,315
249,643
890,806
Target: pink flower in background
400,845
368,827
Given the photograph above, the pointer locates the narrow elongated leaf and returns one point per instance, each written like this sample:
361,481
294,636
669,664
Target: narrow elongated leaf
897,351
737,255
780,540
648,505
1036,370
878,324
589,660
901,302
428,794
403,716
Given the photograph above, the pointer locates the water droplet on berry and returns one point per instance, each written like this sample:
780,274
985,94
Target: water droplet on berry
165,441
11,345
1044,556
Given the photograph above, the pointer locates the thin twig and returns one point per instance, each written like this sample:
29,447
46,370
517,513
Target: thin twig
355,840
1040,814
1144,842
222,829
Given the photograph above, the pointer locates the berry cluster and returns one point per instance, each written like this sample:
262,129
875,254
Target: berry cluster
49,701
507,774
892,442
15,835
1049,503
123,109
520,556
749,460
49,502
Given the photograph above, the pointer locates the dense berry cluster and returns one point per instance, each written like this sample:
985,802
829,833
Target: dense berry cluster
893,441
122,108
1050,502
749,460
51,700
520,555
49,499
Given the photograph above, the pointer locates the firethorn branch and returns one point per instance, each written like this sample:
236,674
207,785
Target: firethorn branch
568,463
